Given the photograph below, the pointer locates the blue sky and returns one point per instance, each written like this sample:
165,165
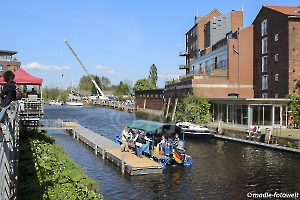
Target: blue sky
118,39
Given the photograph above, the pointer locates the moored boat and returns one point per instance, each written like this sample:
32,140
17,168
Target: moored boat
195,131
169,152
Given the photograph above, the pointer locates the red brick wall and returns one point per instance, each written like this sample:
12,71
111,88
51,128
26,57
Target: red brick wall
294,54
236,20
151,103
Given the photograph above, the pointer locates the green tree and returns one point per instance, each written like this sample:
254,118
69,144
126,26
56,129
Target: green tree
194,109
143,84
85,83
121,89
153,75
294,107
105,83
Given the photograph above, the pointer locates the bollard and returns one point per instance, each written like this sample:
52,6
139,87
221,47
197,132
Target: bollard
122,163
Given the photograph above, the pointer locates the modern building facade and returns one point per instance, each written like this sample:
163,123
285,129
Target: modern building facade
224,68
258,64
7,61
276,51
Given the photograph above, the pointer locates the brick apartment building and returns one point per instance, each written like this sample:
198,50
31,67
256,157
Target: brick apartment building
276,51
7,62
222,68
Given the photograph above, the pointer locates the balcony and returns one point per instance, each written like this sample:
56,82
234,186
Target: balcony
183,67
183,53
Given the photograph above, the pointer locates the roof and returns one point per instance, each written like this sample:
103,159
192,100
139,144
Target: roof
249,101
287,10
148,126
5,52
23,78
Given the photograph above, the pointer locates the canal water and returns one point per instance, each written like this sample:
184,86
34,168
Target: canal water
221,169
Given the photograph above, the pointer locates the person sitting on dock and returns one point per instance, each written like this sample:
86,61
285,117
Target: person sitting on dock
124,138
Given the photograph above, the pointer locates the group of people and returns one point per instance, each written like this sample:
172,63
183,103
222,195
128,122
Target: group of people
138,139
255,130
133,136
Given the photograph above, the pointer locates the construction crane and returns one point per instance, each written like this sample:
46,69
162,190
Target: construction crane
99,91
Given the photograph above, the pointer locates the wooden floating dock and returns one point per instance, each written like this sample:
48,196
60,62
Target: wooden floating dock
108,149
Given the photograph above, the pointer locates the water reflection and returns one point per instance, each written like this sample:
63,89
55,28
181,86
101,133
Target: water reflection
221,169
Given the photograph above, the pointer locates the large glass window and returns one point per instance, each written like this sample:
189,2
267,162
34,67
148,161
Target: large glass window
264,64
264,27
264,82
267,118
264,45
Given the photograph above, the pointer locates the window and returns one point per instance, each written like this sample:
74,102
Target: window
264,95
187,37
193,70
8,68
276,77
264,27
276,37
264,45
276,95
264,64
276,57
1,68
264,82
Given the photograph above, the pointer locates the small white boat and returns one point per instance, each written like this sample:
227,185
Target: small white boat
74,103
195,131
56,103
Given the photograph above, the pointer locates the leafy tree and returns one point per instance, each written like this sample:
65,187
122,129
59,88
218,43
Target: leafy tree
194,109
121,89
153,75
143,84
105,83
85,83
294,107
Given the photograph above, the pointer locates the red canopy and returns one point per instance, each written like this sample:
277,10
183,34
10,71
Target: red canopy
23,78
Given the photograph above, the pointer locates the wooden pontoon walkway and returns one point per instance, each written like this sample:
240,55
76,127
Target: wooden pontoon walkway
127,161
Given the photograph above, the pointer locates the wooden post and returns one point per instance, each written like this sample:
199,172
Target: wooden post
103,151
174,110
145,104
167,111
163,110
74,133
122,158
96,147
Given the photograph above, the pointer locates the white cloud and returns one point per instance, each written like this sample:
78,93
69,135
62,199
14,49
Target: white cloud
35,65
105,70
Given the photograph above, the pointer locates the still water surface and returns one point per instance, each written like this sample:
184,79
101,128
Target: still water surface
221,169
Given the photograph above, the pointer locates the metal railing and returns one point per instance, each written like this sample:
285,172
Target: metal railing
9,134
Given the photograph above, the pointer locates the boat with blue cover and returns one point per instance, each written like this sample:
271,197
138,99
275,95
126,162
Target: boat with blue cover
168,153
